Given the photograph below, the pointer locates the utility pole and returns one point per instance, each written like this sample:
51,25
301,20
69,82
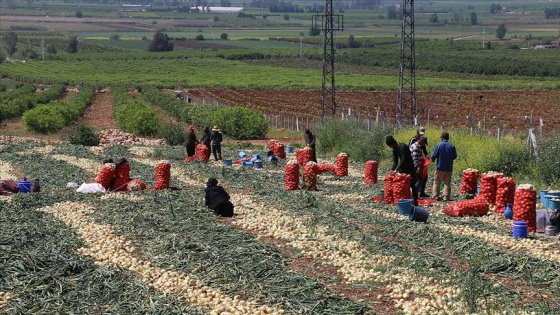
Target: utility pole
329,23
483,32
301,45
406,107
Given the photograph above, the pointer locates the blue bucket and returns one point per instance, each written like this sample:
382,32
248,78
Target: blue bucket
478,190
404,206
242,154
273,159
418,214
227,162
382,194
24,186
256,157
519,229
289,149
247,163
270,153
257,164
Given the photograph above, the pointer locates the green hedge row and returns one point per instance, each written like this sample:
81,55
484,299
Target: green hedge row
236,122
24,99
54,116
133,116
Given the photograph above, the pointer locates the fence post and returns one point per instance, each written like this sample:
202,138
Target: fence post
531,139
469,120
440,122
429,109
541,126
499,125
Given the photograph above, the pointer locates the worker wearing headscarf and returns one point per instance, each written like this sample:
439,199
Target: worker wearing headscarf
191,141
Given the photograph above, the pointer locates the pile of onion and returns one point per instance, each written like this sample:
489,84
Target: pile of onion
304,155
106,175
341,164
401,187
473,207
489,186
469,181
135,185
163,175
505,193
388,189
525,206
321,168
310,176
292,175
370,173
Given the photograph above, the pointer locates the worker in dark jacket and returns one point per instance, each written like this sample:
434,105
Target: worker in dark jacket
206,139
310,142
403,163
191,141
216,142
217,199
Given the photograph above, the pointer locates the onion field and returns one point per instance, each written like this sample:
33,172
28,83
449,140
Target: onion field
331,251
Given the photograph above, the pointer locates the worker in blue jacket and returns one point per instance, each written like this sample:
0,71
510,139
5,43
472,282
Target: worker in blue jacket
444,154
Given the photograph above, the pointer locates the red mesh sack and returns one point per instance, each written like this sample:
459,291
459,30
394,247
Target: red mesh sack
469,181
291,182
163,175
525,206
304,155
122,177
321,168
272,145
280,151
388,189
473,207
489,186
401,187
202,152
310,176
341,164
505,193
106,175
370,172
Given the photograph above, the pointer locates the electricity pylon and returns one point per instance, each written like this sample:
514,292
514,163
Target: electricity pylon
407,108
329,23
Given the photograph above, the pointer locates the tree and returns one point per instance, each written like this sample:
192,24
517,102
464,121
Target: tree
352,42
160,42
215,18
501,31
224,36
79,14
392,13
72,44
433,18
495,8
473,18
286,17
10,40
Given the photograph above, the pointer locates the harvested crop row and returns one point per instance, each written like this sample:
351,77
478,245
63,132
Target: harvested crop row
7,171
354,263
109,249
89,166
5,297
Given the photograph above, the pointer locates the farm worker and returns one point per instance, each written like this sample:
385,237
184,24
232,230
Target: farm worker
420,132
191,141
206,139
402,163
217,199
310,142
216,142
444,153
418,160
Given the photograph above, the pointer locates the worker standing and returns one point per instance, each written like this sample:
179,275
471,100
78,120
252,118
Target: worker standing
310,142
402,163
216,142
444,153
191,141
